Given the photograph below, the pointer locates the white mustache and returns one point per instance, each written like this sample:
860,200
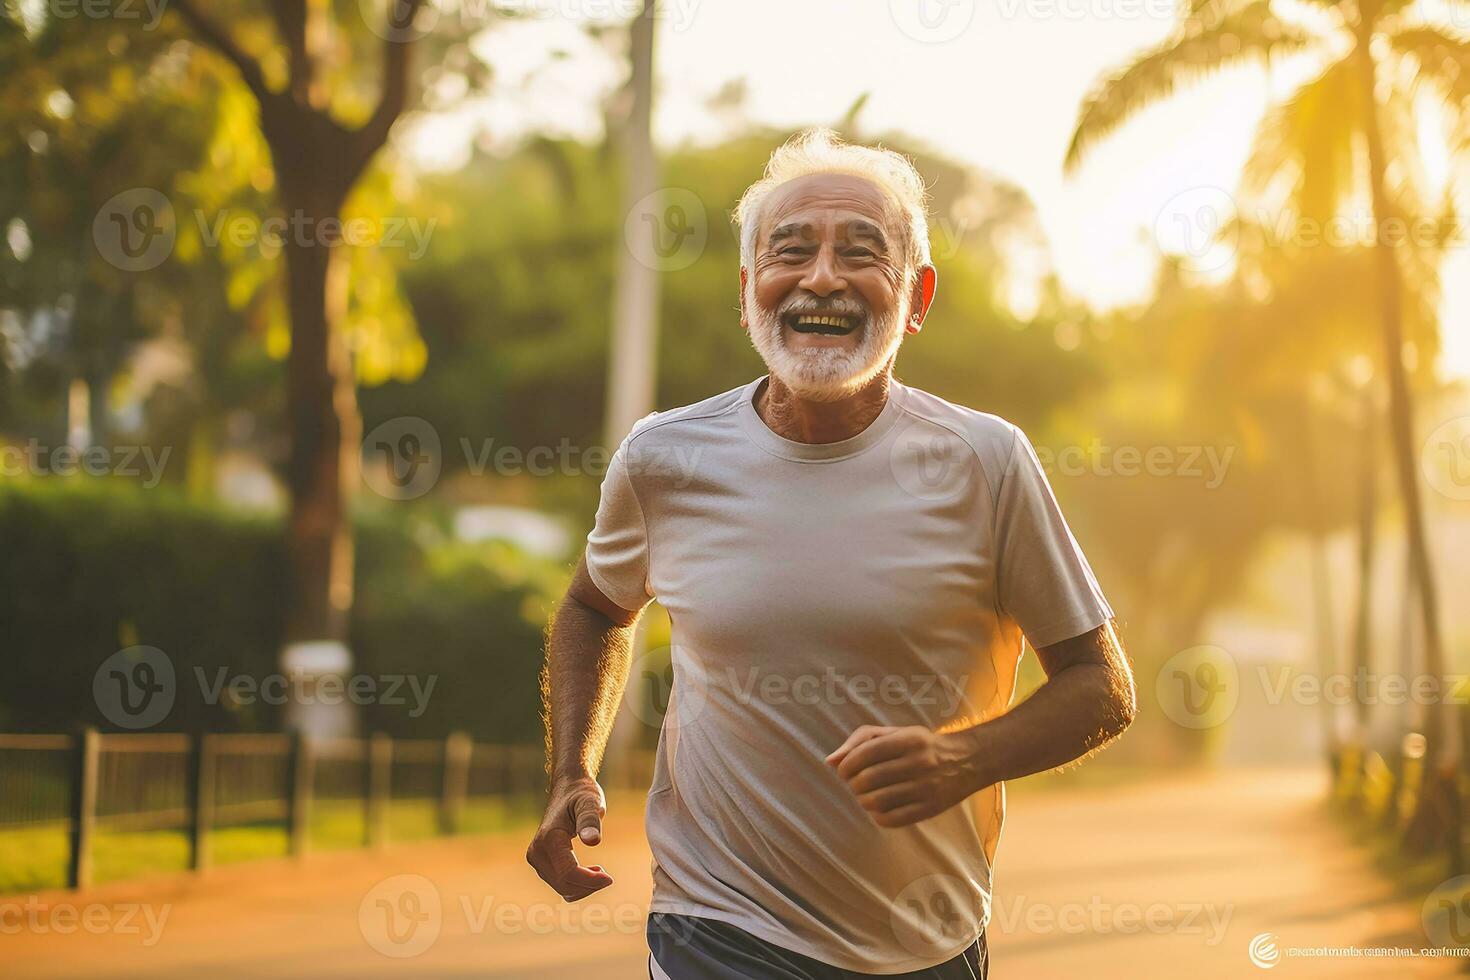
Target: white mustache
806,308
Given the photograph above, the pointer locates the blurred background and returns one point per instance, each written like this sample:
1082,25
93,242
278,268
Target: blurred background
318,323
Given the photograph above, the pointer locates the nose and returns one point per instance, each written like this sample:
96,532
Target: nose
822,276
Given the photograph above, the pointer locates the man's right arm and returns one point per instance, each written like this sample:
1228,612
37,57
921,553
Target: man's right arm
588,653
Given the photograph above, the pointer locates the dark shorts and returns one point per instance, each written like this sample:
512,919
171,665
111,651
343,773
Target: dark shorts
689,948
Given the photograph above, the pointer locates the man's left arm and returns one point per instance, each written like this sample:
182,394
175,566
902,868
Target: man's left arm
904,775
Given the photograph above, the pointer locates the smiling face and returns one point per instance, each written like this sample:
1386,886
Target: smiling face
826,297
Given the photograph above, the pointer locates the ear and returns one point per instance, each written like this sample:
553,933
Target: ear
925,284
744,314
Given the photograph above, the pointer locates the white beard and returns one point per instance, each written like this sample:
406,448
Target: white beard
825,374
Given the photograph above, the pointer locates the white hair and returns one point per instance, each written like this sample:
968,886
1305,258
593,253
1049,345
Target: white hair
822,151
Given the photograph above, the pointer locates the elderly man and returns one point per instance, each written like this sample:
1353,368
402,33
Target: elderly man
850,566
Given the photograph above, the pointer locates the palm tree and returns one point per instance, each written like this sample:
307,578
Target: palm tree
1374,55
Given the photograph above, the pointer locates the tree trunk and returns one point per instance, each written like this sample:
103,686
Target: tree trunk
317,161
1439,789
1320,576
633,361
1367,532
325,437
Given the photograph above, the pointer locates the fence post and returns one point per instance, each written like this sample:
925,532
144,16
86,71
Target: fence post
457,749
83,808
303,779
201,800
380,789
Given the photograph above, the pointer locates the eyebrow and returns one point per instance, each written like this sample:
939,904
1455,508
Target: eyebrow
856,228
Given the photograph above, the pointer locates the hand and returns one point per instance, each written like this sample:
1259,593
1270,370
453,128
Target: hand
576,807
904,775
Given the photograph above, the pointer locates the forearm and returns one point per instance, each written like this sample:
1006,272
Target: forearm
587,661
1081,707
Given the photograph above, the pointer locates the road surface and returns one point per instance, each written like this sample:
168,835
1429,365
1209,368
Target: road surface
1170,878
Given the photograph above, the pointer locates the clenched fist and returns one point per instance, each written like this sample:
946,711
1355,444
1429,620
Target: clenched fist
904,775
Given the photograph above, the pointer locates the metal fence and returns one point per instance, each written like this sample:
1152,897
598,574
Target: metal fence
204,785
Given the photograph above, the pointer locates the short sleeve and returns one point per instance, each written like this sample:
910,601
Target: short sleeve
1043,581
617,548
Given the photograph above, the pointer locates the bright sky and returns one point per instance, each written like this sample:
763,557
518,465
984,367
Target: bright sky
994,83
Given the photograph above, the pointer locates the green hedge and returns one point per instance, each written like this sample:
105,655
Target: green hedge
87,569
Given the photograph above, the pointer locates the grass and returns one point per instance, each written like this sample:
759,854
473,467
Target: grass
33,859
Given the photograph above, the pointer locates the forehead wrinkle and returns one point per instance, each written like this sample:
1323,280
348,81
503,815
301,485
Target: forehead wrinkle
858,198
854,224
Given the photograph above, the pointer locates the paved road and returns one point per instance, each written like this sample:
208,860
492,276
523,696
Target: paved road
1164,879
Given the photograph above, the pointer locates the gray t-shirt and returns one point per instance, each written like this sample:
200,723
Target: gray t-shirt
886,579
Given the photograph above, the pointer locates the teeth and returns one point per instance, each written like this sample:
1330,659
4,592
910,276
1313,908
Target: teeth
824,321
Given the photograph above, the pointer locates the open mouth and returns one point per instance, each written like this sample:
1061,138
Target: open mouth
831,325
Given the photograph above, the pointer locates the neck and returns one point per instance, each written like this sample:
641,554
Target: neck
800,419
